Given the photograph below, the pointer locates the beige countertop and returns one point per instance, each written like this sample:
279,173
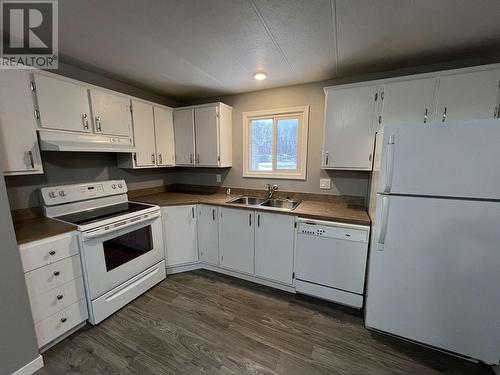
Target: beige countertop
333,210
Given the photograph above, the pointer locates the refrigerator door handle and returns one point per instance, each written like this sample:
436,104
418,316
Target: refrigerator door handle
389,165
383,223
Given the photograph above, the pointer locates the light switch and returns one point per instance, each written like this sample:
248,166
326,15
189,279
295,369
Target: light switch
325,183
218,178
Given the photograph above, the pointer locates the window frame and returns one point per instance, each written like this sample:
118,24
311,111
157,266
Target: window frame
302,113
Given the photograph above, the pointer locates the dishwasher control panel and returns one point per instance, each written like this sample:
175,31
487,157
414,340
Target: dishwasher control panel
332,231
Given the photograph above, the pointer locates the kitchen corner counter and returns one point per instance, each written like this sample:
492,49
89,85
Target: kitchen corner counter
331,210
34,229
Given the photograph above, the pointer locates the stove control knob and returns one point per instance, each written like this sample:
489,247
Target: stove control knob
113,186
62,193
120,186
52,194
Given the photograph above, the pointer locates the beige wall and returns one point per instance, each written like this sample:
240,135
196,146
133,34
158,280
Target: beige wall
312,95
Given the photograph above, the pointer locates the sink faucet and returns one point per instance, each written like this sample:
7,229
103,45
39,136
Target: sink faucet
270,190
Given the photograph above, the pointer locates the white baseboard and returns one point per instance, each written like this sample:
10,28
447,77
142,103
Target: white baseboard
31,367
254,279
183,268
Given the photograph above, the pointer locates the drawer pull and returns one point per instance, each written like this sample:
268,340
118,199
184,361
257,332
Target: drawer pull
63,320
59,297
57,273
52,252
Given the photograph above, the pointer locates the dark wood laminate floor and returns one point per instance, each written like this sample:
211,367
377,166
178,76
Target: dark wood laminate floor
204,323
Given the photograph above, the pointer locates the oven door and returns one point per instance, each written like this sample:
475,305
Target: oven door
115,254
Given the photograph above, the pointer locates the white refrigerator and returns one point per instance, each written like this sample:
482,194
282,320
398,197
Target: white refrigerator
434,264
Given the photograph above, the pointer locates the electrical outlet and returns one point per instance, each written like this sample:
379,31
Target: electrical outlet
218,177
325,183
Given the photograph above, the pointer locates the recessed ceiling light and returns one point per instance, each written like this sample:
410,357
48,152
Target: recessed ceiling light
259,76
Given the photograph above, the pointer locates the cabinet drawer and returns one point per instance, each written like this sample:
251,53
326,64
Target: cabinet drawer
41,253
57,299
61,322
56,274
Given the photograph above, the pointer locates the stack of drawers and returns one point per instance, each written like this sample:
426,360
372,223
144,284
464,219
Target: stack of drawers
55,286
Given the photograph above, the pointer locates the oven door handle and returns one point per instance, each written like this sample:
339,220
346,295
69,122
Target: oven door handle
120,225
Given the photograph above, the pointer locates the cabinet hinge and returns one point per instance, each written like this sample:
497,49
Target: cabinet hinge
376,96
33,86
37,114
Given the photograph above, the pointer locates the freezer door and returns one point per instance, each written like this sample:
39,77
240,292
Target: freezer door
456,159
434,275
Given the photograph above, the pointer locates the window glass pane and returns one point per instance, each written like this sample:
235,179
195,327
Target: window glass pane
261,152
286,147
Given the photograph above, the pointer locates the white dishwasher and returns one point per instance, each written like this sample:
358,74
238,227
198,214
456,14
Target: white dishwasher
331,260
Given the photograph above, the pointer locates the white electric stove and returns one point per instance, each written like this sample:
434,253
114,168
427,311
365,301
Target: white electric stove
121,241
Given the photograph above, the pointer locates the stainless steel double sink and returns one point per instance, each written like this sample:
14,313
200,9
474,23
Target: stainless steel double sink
276,204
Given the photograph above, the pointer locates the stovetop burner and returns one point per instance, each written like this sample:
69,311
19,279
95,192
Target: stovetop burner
102,213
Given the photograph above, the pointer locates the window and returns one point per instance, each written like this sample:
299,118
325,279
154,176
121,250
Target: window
275,143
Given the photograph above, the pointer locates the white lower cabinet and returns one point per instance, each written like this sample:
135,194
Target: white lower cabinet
236,239
274,245
208,233
181,240
54,281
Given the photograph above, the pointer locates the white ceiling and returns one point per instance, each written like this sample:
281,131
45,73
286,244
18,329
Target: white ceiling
198,48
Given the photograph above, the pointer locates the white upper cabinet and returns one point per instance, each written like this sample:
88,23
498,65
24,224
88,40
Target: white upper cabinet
236,239
349,131
407,102
62,105
208,229
164,136
203,135
468,96
274,246
180,234
184,137
19,151
144,134
206,130
111,113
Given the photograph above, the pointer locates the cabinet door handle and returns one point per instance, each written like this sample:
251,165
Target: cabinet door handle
56,273
85,121
60,297
258,220
32,161
495,114
98,123
198,158
52,252
425,115
192,212
63,320
326,159
443,118
160,159
153,158
250,219
213,214
191,158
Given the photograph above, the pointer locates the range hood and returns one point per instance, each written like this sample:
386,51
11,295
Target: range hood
69,141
